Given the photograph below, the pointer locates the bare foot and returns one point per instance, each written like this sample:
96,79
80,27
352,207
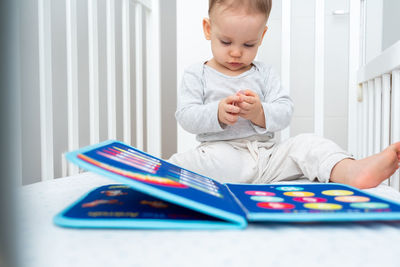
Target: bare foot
370,171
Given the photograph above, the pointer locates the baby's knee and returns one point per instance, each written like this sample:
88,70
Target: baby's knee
312,141
307,137
183,159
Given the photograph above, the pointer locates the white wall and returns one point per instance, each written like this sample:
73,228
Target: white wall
391,23
336,72
192,47
373,29
302,65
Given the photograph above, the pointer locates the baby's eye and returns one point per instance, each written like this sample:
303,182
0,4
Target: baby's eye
249,45
225,42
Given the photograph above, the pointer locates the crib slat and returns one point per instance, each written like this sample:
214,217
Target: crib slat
378,117
285,53
72,80
371,112
365,121
153,99
360,123
395,121
111,91
93,42
319,67
126,71
377,114
139,75
385,111
45,83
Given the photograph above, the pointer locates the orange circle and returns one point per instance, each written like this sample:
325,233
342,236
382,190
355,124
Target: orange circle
352,199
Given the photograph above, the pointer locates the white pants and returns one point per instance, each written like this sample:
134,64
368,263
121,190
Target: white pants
245,161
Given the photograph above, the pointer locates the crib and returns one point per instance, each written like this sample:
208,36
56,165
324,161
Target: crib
120,56
120,98
378,106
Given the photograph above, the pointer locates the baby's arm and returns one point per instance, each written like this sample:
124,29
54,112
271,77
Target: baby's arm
276,103
278,106
192,113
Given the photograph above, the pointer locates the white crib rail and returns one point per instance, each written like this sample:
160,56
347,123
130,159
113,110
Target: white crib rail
45,80
93,39
72,79
378,114
147,77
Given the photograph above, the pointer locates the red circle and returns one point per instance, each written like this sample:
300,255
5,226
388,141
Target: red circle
275,205
310,199
259,193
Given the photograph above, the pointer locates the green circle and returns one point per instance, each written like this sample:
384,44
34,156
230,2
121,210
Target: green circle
267,199
369,205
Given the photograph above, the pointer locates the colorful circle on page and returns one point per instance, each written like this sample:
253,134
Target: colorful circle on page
275,205
370,205
259,193
289,188
299,194
352,199
266,199
323,206
310,199
337,192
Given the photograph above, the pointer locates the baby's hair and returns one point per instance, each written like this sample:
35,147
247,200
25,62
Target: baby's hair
261,6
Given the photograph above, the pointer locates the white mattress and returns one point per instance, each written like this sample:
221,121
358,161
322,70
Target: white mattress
341,244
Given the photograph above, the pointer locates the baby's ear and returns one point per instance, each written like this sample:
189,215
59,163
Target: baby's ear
207,28
262,37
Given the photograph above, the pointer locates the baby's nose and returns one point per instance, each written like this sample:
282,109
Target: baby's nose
235,52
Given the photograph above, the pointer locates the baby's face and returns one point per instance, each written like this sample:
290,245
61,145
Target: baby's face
235,37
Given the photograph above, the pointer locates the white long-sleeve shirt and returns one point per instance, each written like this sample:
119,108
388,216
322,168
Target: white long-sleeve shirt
203,87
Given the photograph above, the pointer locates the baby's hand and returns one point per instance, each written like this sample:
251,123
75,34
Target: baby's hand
228,112
251,108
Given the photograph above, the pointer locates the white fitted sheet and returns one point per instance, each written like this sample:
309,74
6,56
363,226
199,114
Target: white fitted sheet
273,244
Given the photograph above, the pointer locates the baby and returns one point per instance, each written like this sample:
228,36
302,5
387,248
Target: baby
234,105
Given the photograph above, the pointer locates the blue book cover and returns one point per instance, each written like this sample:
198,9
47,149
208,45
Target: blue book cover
157,194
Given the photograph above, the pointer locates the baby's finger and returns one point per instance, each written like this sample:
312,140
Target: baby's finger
248,92
230,119
244,106
232,108
232,99
249,99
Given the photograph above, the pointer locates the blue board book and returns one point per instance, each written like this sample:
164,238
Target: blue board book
154,193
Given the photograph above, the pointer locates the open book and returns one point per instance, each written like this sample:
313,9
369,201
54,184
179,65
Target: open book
156,194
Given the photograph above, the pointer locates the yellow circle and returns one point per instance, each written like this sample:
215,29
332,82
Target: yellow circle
337,192
299,194
323,206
